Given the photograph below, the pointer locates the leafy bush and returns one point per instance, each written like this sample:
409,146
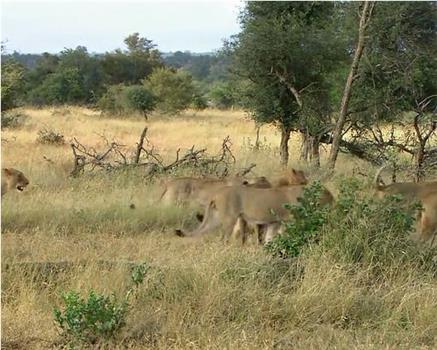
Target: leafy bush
174,89
120,99
140,99
222,95
50,137
308,218
367,229
199,103
13,119
98,317
358,229
112,101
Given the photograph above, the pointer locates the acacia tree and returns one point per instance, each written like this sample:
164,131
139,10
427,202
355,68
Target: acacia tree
365,17
285,52
397,75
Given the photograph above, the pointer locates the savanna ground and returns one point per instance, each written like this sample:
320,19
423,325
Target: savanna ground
198,294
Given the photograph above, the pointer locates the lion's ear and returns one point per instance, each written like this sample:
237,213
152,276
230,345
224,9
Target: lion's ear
293,171
7,171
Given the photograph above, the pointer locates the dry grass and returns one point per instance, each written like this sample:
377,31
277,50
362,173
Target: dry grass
199,294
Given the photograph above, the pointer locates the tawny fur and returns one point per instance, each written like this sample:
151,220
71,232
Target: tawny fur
423,192
13,179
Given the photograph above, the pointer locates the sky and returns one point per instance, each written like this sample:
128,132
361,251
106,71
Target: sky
34,26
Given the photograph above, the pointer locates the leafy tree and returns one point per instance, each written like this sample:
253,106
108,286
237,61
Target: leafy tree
113,100
46,65
11,83
396,74
286,50
173,89
140,99
224,94
133,65
89,67
66,85
72,77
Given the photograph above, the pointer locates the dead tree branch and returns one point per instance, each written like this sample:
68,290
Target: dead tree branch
115,156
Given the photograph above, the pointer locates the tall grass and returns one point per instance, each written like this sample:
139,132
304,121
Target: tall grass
80,234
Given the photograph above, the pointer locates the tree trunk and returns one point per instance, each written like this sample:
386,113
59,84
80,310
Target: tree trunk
283,147
258,127
338,131
304,147
419,157
315,151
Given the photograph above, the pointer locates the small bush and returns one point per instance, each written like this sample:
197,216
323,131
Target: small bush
140,99
364,229
123,100
308,218
358,229
199,103
13,119
50,137
113,101
90,320
99,317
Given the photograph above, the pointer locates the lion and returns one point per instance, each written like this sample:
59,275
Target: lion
234,207
184,189
423,192
290,177
13,179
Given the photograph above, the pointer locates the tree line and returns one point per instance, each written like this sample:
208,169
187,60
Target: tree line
323,69
138,78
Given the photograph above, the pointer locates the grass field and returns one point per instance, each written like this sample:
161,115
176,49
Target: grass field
199,293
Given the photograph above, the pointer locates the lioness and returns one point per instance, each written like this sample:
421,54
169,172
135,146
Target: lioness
290,177
424,192
252,206
13,178
182,189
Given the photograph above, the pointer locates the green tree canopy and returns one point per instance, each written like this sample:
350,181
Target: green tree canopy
173,89
286,50
12,83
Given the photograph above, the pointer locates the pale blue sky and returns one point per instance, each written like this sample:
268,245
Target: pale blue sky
34,26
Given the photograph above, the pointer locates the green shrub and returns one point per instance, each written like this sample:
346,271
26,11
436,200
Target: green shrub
308,218
359,229
368,230
199,103
173,89
96,318
123,100
139,99
13,119
113,101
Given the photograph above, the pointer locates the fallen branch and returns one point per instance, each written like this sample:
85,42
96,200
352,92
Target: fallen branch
115,156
